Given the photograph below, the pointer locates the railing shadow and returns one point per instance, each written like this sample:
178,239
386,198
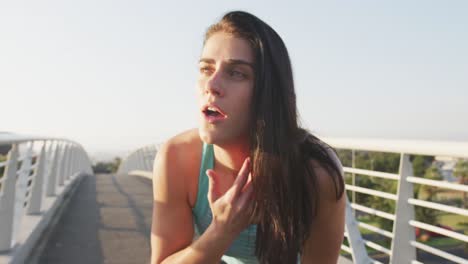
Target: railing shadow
108,221
75,237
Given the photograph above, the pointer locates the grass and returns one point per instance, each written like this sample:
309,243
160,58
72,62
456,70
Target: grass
457,222
443,242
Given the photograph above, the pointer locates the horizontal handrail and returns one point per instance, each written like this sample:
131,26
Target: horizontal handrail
373,211
438,252
420,147
438,206
439,184
376,229
346,248
384,175
439,230
377,247
371,192
12,138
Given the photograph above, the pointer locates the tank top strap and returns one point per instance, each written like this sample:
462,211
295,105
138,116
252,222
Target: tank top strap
201,210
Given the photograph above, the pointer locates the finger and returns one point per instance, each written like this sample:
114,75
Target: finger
213,193
249,181
241,177
246,201
246,195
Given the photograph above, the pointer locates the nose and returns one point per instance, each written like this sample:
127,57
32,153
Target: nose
214,84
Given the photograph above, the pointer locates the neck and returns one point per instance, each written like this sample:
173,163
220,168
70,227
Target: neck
230,157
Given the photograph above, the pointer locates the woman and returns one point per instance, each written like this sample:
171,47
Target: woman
255,186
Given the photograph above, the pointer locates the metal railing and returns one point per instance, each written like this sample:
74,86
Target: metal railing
404,244
139,162
34,176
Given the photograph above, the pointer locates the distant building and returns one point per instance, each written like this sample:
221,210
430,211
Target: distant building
446,166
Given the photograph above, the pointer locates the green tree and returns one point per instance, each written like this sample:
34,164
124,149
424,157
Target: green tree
345,157
428,193
107,167
384,162
461,171
420,164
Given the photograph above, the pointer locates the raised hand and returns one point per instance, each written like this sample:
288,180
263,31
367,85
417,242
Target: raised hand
231,210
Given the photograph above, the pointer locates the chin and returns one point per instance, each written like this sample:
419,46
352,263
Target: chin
209,136
217,137
206,136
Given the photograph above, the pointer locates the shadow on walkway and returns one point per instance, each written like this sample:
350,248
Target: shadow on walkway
108,220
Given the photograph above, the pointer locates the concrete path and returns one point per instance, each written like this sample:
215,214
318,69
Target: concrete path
107,221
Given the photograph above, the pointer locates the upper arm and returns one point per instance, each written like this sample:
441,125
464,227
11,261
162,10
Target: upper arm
172,223
327,229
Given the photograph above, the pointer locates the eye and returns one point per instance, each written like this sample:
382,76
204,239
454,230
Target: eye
206,70
237,74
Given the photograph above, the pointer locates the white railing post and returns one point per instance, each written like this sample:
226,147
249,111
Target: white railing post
81,161
21,189
75,167
63,165
402,251
88,165
137,159
25,213
54,171
7,199
48,165
35,200
72,163
147,159
69,168
356,243
141,159
67,163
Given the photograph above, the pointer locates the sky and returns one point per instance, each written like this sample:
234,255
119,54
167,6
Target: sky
118,75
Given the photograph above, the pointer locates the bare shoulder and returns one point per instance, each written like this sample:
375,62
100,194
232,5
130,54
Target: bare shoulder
173,173
327,229
328,180
181,147
176,161
182,144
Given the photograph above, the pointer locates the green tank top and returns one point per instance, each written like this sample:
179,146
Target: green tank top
242,250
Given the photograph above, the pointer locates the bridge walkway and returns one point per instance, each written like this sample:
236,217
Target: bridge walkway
108,220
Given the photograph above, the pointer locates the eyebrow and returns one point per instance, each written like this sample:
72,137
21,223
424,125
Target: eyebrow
230,61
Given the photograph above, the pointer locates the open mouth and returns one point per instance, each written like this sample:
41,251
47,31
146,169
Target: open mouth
213,113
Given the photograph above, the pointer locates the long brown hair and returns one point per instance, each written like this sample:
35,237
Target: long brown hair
285,186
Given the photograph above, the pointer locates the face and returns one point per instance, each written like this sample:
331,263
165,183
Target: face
225,87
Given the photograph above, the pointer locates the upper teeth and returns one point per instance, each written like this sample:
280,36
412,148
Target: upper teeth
212,109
